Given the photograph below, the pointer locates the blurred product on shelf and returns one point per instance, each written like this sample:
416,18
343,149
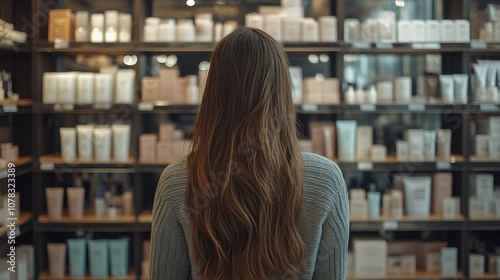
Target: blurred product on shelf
487,139
57,259
6,92
8,35
19,264
370,258
8,153
487,73
146,254
169,146
484,201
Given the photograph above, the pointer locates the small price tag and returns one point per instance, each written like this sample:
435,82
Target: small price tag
145,106
478,45
64,107
488,107
390,225
365,165
102,106
425,46
367,107
416,107
3,173
361,45
443,165
47,166
384,46
10,108
309,107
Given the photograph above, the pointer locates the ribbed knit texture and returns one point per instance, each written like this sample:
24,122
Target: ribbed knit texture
323,223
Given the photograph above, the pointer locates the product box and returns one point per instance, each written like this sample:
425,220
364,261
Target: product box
147,143
481,185
330,91
328,29
476,264
415,138
358,209
423,248
476,207
393,265
494,147
166,132
150,89
169,89
379,153
449,257
61,25
441,189
408,264
165,150
433,262
418,31
364,142
433,28
323,138
272,24
447,31
357,193
404,34
451,207
291,29
462,30
482,145
489,207
370,258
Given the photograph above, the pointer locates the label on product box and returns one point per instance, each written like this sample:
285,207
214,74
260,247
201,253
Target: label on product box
3,173
367,107
384,46
443,165
102,106
425,46
9,108
390,225
416,107
309,107
365,165
361,45
64,107
145,106
478,45
488,107
47,166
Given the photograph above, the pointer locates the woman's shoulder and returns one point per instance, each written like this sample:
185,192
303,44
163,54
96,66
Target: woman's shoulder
320,165
173,179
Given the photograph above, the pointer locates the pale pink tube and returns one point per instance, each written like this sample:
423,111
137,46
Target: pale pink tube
57,259
54,202
75,202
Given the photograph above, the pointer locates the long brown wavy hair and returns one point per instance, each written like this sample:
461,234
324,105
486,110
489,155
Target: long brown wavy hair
245,167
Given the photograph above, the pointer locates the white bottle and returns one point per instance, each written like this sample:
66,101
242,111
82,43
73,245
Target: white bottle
166,31
111,34
371,95
185,31
82,26
204,30
151,29
359,96
218,31
350,95
97,23
309,30
125,28
192,93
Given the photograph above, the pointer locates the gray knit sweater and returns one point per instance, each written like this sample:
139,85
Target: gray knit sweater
323,223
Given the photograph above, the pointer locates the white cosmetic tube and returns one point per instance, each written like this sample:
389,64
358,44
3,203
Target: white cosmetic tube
82,26
480,70
350,96
54,197
102,143
76,196
443,144
461,87
447,88
373,205
50,81
402,150
417,192
121,142
103,88
85,142
111,29
125,28
430,145
68,143
185,31
402,89
85,88
66,88
57,259
346,138
491,88
125,79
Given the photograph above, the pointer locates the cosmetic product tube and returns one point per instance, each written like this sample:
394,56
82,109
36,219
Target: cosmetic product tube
66,88
68,143
97,25
125,79
204,30
54,198
57,259
461,87
85,142
103,88
417,191
480,70
371,95
447,88
350,95
430,145
118,250
121,142
384,92
77,257
352,30
124,28
50,81
111,29
346,139
386,205
491,88
373,205
402,89
85,88
82,31
443,144
76,197
98,258
402,151
359,95
397,204
102,143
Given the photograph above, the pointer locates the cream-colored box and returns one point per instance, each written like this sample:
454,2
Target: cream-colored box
312,85
476,264
328,29
481,185
433,262
449,257
61,25
462,30
433,28
370,258
323,138
330,91
482,145
358,209
447,31
165,150
404,34
418,31
364,142
379,153
441,189
408,264
476,207
150,89
357,193
166,132
147,143
394,265
309,30
272,25
169,84
451,207
291,29
415,138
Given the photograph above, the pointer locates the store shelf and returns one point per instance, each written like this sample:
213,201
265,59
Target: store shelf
164,108
175,47
153,166
484,223
146,216
45,275
7,46
455,163
432,223
88,222
85,109
24,223
316,47
55,163
485,276
484,164
405,48
22,106
87,48
23,166
419,275
415,108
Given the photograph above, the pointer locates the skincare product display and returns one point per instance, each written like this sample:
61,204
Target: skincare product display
323,138
170,87
8,35
320,91
484,201
105,88
109,26
146,261
6,93
8,153
113,196
168,145
100,143
370,258
488,145
425,145
487,81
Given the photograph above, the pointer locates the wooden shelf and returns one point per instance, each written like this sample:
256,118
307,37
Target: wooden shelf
23,166
46,276
57,159
23,218
431,218
474,158
419,275
146,216
88,218
485,276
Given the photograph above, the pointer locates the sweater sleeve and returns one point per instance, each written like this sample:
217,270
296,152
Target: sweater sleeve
169,252
331,261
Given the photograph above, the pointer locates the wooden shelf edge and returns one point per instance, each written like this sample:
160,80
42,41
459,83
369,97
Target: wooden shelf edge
24,217
88,219
45,275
